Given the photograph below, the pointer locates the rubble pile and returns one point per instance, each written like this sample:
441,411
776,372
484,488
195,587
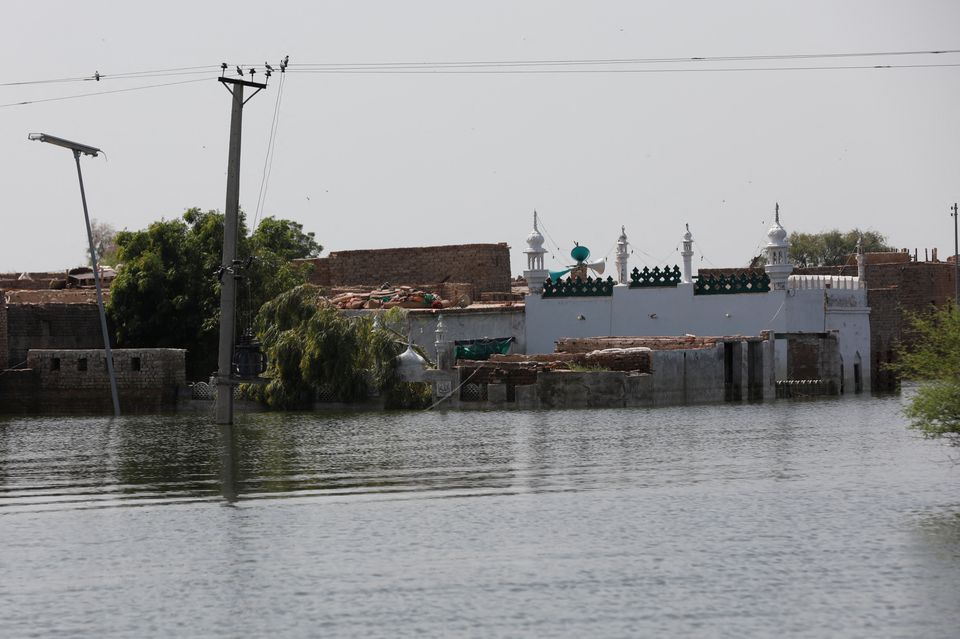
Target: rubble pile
402,296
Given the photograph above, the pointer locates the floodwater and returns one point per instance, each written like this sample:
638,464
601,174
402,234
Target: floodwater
790,518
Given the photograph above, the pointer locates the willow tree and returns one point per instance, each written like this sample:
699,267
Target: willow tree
931,356
312,346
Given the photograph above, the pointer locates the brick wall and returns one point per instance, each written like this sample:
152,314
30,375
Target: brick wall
895,285
486,267
4,348
50,326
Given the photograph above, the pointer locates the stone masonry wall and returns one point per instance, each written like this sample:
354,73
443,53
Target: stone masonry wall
76,380
485,266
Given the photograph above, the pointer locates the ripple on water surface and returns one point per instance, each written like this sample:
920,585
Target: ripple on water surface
810,519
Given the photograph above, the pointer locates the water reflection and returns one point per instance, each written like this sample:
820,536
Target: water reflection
229,480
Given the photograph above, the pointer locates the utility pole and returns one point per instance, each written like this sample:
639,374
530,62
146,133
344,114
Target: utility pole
956,257
228,288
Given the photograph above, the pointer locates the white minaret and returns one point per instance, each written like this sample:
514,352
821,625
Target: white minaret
535,273
622,254
778,266
687,254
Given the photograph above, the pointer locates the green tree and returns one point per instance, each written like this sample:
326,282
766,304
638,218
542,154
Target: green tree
311,345
931,356
167,290
832,248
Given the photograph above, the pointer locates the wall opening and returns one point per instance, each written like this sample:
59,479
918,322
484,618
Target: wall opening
82,364
54,363
732,372
135,364
754,371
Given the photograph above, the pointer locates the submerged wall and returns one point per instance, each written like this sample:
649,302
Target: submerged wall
63,381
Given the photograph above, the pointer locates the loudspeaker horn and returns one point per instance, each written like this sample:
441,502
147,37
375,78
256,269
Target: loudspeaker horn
598,266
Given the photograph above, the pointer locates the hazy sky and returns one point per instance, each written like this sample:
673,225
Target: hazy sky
375,160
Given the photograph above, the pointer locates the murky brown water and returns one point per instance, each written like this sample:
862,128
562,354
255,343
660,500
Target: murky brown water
809,519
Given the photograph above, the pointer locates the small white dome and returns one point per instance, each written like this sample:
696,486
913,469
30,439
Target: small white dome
410,365
535,239
777,234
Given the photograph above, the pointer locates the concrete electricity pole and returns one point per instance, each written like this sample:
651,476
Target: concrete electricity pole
225,381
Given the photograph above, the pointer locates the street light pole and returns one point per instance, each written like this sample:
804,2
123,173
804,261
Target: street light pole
77,149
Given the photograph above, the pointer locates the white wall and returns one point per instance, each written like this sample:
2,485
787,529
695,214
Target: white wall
677,311
652,311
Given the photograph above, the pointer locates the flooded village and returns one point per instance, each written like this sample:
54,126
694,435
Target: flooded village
576,338
541,319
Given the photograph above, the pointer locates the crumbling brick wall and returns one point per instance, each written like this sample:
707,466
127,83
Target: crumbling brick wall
486,267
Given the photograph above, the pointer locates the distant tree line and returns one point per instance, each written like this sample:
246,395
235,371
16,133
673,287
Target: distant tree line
829,248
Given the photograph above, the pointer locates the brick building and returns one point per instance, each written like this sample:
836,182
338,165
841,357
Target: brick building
897,284
485,267
48,319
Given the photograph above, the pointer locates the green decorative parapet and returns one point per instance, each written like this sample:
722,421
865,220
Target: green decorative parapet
730,284
579,288
656,278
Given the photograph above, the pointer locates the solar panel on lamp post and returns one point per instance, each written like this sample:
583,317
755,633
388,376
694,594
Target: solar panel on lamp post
84,149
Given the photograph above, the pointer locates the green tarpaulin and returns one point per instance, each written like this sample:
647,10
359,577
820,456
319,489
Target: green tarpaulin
481,349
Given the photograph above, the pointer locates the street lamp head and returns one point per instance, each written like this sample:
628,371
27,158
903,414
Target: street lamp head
67,144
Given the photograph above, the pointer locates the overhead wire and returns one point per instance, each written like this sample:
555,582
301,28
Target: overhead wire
558,71
662,60
268,159
87,95
97,77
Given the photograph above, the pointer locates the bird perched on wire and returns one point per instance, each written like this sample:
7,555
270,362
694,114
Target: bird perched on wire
239,71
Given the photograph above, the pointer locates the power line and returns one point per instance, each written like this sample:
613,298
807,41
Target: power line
268,159
614,61
96,77
497,64
535,71
87,95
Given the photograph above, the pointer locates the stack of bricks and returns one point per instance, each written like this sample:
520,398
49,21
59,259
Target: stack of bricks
486,267
588,344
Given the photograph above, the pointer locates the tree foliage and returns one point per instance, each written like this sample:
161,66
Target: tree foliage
167,291
312,346
932,357
832,248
